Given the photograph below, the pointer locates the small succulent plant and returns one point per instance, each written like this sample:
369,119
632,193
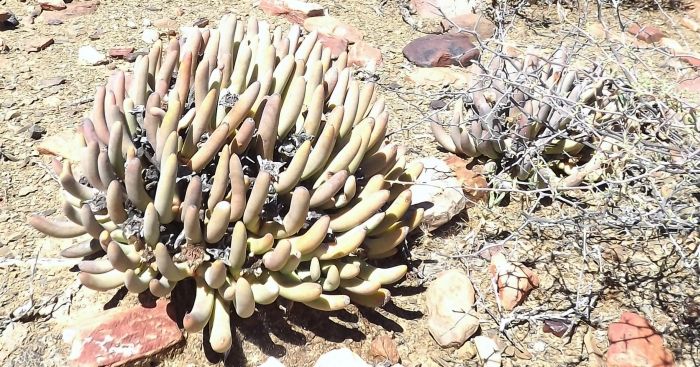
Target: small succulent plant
521,104
247,159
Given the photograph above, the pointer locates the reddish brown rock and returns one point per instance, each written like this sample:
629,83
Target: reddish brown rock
436,8
73,9
120,52
473,25
691,85
335,44
693,61
5,15
333,27
37,44
125,336
52,4
514,281
383,349
294,11
470,178
647,33
441,50
364,55
635,343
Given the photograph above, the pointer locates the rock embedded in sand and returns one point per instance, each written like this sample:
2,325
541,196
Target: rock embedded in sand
514,282
646,33
634,342
123,336
488,352
88,55
473,25
438,77
450,302
52,5
294,11
439,191
441,50
333,27
365,56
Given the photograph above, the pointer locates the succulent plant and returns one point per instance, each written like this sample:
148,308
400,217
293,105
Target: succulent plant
247,159
521,104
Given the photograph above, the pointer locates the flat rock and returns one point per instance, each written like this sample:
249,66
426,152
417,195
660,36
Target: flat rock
337,45
294,11
635,343
52,4
37,44
165,24
343,357
471,179
471,25
450,8
124,336
646,33
64,145
50,82
441,50
383,350
440,77
693,61
333,27
439,192
120,52
487,350
73,9
450,301
88,55
365,56
52,101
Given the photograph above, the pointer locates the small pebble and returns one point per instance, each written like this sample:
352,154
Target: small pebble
150,35
11,115
201,22
26,190
36,131
437,104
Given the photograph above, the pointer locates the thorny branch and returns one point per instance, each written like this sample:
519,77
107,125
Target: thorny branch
645,194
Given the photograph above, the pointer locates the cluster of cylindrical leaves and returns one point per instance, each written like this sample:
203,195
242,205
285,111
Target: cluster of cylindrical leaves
263,149
519,101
